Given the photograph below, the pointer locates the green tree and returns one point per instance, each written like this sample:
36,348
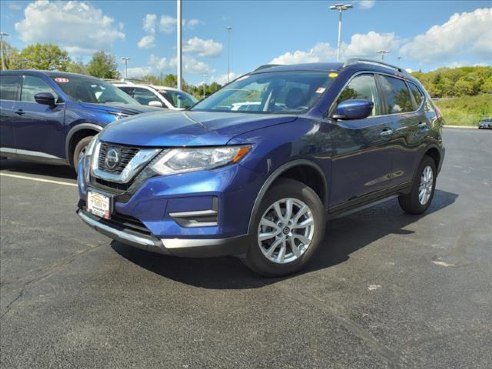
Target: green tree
77,66
103,65
171,80
44,57
11,55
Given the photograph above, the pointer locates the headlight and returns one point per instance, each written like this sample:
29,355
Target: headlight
176,161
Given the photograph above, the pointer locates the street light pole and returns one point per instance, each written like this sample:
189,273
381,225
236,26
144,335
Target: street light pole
229,29
1,50
382,53
179,44
125,59
340,8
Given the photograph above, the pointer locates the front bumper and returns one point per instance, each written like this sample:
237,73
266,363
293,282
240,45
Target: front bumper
168,246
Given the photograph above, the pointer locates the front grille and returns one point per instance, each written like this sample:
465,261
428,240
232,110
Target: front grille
127,222
118,187
126,153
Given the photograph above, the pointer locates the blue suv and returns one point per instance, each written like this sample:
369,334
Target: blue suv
316,141
51,116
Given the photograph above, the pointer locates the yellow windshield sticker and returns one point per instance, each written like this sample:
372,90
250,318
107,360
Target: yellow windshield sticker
333,75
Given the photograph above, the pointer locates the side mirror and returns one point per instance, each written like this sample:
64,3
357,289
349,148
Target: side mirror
155,103
45,98
353,109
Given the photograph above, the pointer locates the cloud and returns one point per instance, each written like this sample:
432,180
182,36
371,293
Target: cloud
321,52
63,23
139,72
146,42
222,79
149,23
367,45
366,4
202,47
167,24
462,34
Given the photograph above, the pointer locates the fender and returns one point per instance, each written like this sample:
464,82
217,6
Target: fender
75,129
275,175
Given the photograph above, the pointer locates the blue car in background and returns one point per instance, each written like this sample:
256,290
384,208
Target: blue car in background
51,116
316,141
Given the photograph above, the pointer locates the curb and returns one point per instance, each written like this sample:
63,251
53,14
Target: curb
461,127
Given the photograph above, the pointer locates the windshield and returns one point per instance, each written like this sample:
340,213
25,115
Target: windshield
179,99
269,92
92,90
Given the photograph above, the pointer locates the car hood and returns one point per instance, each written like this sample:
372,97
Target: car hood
127,109
187,128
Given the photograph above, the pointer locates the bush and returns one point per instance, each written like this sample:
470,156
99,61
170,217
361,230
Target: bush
465,110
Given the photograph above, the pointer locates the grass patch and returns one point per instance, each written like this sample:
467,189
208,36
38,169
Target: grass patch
465,110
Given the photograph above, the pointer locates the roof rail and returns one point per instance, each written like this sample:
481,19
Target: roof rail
267,66
374,62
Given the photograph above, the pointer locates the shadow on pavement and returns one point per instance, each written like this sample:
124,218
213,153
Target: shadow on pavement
20,167
343,237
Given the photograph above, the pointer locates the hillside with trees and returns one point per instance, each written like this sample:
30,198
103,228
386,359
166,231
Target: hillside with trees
463,94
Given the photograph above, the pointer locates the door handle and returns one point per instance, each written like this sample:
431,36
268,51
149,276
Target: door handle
386,133
20,112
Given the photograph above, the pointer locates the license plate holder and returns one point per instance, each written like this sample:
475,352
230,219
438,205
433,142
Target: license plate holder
99,204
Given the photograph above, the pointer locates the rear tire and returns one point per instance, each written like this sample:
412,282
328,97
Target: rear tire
423,186
79,151
287,229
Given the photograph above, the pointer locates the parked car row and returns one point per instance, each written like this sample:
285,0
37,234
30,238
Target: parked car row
254,170
52,116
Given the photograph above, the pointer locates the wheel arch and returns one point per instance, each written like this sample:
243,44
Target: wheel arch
76,134
301,170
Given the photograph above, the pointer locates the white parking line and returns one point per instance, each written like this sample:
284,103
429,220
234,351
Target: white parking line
38,179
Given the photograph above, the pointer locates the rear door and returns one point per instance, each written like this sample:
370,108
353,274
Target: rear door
361,163
38,129
408,123
9,93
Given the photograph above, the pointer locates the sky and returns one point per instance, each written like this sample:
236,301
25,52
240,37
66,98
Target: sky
418,35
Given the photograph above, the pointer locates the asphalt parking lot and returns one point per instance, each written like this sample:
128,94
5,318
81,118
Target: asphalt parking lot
388,290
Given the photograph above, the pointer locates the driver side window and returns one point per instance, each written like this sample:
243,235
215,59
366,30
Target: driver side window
362,87
32,86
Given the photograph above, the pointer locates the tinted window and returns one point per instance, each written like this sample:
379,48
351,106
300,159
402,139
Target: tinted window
397,96
178,99
417,95
362,87
270,92
92,90
32,86
8,87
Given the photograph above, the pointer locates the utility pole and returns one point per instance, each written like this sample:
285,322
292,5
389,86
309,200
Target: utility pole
382,53
179,43
229,29
125,59
340,8
1,50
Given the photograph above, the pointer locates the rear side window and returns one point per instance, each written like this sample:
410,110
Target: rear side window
9,86
34,85
417,95
396,94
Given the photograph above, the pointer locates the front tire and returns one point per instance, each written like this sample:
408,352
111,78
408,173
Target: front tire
79,151
288,228
423,186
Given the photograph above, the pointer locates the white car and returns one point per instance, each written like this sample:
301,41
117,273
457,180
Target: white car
160,96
